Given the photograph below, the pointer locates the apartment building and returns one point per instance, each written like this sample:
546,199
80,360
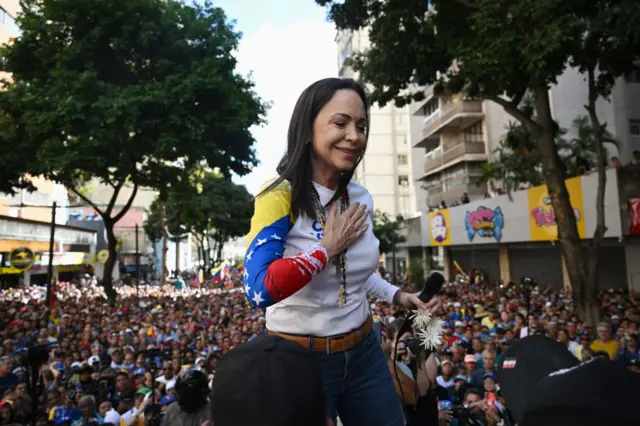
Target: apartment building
22,205
453,136
386,169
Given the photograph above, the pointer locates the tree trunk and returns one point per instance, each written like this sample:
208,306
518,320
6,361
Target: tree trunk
165,248
177,243
589,306
568,235
200,251
205,253
219,252
214,251
107,275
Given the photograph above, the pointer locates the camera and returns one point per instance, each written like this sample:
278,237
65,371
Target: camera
466,417
157,353
528,281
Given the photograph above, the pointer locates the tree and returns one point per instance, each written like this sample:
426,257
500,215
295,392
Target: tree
230,209
386,231
163,221
516,161
501,50
416,274
128,91
213,210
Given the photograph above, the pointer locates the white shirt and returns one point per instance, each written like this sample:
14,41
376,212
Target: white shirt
314,310
168,383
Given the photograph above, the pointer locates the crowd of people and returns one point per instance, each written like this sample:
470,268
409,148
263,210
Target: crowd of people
120,363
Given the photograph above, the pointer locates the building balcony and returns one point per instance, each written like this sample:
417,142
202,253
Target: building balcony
463,152
458,114
453,191
416,108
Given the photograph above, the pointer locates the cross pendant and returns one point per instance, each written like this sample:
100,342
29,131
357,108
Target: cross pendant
342,297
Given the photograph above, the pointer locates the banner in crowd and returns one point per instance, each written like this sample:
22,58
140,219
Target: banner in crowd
219,272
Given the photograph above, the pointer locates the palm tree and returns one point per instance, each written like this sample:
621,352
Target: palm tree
516,161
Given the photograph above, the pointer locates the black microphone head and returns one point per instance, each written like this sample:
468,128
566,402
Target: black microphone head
432,286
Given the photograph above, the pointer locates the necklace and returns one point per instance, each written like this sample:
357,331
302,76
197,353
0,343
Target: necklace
341,259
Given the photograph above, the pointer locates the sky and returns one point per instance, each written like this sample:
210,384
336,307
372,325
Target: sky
287,45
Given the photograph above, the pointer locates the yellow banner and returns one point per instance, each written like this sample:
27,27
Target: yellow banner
10,270
68,268
542,219
440,228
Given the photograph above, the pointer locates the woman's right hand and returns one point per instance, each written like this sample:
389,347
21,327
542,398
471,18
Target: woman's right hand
342,231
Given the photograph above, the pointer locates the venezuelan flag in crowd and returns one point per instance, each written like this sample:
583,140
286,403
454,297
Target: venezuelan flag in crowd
196,281
219,272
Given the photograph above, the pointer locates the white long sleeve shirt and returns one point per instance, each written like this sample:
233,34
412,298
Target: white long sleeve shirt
314,309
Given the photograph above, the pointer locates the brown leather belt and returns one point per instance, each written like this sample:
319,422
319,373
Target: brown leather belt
331,344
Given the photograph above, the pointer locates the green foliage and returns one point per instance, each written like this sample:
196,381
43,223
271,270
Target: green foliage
491,48
153,225
517,159
386,231
416,274
131,89
500,50
127,91
214,208
228,207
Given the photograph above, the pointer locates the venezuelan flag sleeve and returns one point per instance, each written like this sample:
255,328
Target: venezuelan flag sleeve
268,277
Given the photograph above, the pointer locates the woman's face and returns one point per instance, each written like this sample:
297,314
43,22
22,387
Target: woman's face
339,133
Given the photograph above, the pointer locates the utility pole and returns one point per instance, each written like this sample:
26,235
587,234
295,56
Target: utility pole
51,244
137,258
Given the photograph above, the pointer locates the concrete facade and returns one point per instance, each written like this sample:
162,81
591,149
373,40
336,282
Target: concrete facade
386,169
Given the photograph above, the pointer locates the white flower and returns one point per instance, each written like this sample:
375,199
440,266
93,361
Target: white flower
429,330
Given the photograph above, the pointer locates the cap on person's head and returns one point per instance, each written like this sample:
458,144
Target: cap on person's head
266,381
143,391
112,417
490,376
470,358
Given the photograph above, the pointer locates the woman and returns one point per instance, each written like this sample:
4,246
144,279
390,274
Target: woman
414,386
312,255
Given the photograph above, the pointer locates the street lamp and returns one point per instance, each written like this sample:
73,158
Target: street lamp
399,221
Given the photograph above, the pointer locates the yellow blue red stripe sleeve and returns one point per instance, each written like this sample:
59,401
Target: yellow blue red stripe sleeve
268,277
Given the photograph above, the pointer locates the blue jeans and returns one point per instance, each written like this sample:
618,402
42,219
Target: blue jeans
358,386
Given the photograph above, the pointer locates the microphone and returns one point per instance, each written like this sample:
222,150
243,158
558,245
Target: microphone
432,286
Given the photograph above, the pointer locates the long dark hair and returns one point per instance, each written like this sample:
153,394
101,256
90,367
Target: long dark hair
295,165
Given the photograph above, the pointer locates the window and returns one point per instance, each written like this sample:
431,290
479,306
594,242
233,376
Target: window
401,140
403,180
473,133
634,127
430,107
402,159
345,54
9,23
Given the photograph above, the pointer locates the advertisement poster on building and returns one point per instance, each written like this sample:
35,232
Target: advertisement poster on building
485,223
542,218
21,258
440,228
